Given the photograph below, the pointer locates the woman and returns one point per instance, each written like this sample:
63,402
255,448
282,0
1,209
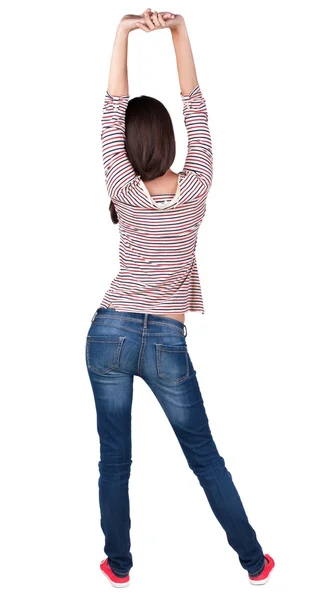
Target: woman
139,327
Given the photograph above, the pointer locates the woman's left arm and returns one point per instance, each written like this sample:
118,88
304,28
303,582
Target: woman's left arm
117,167
118,84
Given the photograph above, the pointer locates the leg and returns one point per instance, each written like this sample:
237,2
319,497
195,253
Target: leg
176,388
113,398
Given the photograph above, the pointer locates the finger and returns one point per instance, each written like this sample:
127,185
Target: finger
142,26
149,22
168,16
148,10
161,20
154,18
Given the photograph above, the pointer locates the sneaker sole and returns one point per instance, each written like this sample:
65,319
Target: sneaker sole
113,582
261,582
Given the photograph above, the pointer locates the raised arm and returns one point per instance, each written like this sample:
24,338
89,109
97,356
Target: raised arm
118,84
184,56
199,159
118,169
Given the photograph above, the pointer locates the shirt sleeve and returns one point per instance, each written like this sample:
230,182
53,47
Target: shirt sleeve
199,159
117,167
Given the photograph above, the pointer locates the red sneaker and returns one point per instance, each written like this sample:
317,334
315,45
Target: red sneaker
265,575
114,579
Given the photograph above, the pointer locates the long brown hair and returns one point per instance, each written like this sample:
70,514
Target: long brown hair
150,140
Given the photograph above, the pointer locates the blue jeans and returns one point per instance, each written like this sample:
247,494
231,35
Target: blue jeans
119,346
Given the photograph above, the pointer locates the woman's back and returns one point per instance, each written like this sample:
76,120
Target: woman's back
158,230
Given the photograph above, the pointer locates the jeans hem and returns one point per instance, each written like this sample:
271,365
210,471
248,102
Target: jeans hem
118,574
258,572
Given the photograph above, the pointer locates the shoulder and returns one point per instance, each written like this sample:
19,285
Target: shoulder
192,187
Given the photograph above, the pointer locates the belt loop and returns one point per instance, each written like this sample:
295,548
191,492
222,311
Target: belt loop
94,315
185,334
145,323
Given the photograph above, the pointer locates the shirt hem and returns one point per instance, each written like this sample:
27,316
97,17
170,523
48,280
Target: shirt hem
150,310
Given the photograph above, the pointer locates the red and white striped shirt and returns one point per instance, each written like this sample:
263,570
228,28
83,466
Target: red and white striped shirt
158,234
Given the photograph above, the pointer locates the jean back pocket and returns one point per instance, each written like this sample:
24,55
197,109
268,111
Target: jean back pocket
172,363
103,353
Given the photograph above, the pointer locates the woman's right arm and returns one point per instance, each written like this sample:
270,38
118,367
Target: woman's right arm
199,157
184,57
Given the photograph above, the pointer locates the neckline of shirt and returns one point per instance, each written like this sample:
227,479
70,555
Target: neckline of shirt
167,204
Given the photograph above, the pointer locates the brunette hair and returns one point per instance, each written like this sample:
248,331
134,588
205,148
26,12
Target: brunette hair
149,140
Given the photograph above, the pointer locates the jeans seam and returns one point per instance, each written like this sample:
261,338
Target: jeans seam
141,353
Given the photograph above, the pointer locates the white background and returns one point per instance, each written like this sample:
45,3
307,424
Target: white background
259,348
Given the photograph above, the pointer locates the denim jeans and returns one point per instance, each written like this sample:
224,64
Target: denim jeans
119,346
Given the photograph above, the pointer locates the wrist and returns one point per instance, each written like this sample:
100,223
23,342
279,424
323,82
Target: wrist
179,26
122,29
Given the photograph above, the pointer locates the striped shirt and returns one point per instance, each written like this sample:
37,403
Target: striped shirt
158,234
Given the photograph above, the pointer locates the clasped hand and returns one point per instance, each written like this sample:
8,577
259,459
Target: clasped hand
150,21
